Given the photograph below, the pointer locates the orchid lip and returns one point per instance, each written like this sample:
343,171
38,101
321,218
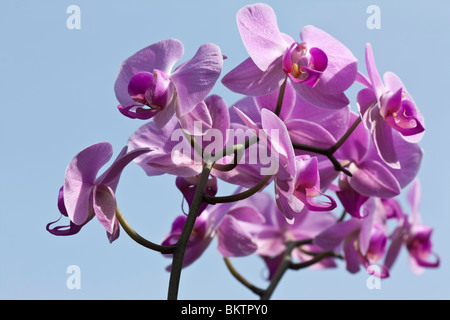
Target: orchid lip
303,64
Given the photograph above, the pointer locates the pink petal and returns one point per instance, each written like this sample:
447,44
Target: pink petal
374,76
371,178
80,177
161,55
333,236
104,204
263,40
248,79
196,77
233,240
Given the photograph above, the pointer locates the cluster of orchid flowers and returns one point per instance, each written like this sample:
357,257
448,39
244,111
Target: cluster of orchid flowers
295,109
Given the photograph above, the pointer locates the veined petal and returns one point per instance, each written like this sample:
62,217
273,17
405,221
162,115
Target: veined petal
397,239
161,55
334,121
80,177
309,133
233,240
414,197
339,75
112,175
371,178
374,76
383,140
321,97
333,236
104,204
195,78
170,151
248,79
351,256
197,121
259,31
279,139
366,99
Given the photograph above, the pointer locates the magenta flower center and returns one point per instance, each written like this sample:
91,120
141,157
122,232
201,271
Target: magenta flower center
303,64
154,90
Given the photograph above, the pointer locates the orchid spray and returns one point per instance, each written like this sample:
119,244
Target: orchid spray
293,128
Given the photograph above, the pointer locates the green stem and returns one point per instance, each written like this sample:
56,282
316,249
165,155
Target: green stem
136,237
239,196
283,267
180,246
242,280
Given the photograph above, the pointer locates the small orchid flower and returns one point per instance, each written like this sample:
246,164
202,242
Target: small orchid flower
226,222
146,86
387,108
188,186
414,235
320,67
371,176
272,235
363,240
297,179
84,195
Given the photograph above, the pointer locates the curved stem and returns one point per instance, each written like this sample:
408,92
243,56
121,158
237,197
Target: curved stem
282,268
329,152
181,244
136,237
347,134
239,196
241,279
317,258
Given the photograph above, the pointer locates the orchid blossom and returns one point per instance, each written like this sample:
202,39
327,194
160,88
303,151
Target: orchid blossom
388,108
320,67
147,87
84,195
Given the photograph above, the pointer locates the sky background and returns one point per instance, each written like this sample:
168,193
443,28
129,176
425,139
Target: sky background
57,98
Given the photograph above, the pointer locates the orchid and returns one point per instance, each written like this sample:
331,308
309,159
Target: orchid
320,67
272,235
223,222
146,86
84,195
414,235
388,108
363,240
293,128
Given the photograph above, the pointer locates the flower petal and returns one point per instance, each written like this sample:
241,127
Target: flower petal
374,76
248,79
333,236
233,240
104,204
196,77
80,177
161,55
112,175
371,178
259,31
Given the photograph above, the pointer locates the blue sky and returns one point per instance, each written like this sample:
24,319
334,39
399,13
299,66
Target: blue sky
57,95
